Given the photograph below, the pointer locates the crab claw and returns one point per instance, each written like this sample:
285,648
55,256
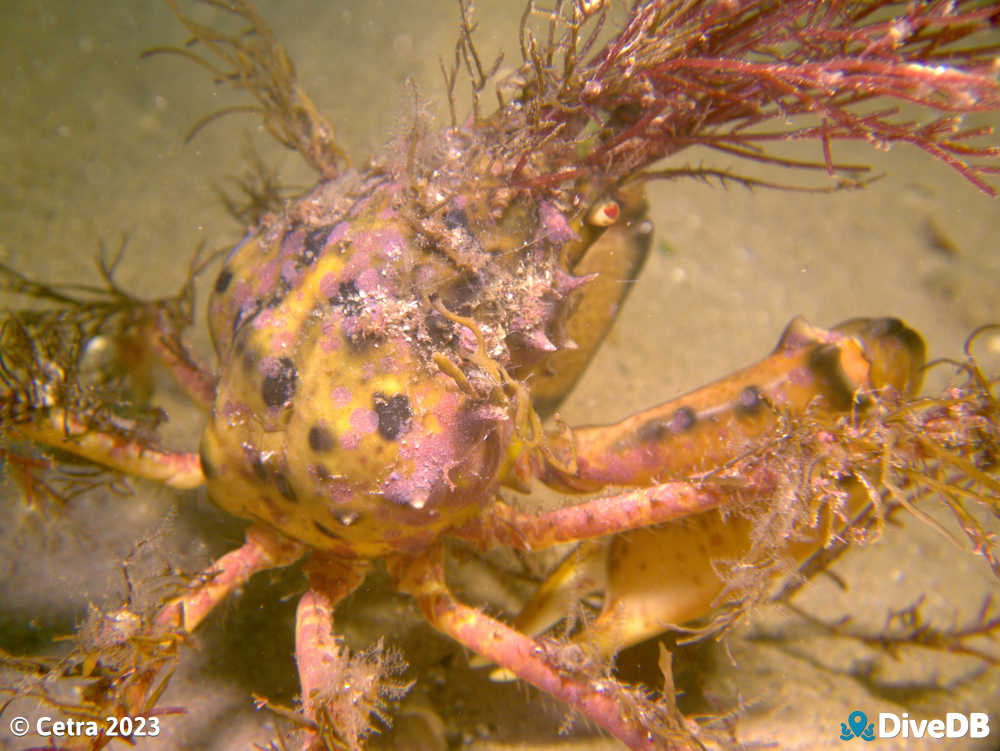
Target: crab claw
657,578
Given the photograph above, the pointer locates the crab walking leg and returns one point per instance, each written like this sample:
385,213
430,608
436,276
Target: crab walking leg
135,692
581,573
502,524
191,375
319,653
157,336
264,549
62,431
597,699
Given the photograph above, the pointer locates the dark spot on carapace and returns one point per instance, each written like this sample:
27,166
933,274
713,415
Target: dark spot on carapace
682,419
222,280
749,401
279,388
314,243
320,439
321,472
326,531
394,414
348,299
284,486
278,295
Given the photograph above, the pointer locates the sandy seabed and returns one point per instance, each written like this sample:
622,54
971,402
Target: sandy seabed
92,148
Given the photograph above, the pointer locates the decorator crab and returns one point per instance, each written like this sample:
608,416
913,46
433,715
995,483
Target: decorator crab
389,342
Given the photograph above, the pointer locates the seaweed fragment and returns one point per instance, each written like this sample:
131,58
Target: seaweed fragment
78,361
738,78
253,59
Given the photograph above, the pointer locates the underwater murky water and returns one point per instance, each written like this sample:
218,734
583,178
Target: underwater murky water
92,148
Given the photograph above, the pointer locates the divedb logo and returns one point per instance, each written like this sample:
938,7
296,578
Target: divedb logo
890,725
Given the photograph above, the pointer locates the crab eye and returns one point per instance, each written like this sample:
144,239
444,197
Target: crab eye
604,213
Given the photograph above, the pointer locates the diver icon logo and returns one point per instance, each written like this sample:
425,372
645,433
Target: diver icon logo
857,726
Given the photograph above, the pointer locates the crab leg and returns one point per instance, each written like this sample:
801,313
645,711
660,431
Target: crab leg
263,550
598,698
62,431
192,376
319,652
504,525
136,691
